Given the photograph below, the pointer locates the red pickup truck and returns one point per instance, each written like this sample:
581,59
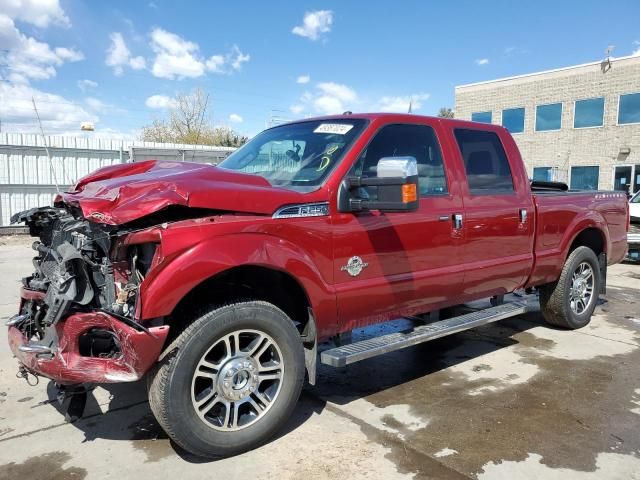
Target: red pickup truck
219,282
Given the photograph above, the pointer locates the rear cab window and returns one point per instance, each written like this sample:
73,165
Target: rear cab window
485,162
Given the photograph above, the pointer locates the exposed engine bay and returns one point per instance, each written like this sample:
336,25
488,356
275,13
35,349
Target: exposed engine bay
78,269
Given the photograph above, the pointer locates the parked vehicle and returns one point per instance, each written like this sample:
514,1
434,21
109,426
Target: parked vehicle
634,208
633,238
219,282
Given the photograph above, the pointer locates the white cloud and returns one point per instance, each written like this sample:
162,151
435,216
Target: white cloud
215,63
28,58
40,13
58,114
636,44
96,104
302,79
236,58
160,101
226,64
333,98
337,90
400,104
327,98
235,118
314,24
119,56
138,63
482,61
86,84
175,56
68,54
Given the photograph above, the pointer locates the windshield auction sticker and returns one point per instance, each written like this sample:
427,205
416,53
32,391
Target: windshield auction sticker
337,128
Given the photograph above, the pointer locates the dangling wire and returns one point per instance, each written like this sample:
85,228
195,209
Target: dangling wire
46,146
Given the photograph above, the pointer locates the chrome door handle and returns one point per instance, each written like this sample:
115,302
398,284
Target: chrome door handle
523,215
457,221
443,218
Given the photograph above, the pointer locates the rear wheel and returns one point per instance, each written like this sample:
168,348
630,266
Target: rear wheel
570,301
230,380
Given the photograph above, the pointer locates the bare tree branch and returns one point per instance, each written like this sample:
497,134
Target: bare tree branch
187,122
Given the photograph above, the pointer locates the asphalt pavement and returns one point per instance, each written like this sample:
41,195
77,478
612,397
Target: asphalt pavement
512,400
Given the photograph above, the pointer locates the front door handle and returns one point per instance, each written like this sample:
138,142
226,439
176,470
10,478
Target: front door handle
457,221
523,215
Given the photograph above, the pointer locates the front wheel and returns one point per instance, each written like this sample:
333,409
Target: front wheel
570,302
230,380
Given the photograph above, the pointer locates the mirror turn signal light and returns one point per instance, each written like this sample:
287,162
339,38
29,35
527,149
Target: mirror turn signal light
409,193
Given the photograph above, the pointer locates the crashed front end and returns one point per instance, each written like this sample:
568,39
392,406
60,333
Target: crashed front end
77,318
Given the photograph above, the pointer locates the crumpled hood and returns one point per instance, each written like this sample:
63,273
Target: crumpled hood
121,193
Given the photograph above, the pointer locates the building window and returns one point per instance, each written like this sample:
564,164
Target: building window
584,178
548,117
626,178
543,174
486,164
629,108
513,119
589,113
482,117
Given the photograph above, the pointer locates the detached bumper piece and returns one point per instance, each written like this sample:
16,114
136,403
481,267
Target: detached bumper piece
78,356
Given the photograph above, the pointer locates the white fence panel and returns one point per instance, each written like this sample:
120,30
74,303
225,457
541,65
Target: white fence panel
26,179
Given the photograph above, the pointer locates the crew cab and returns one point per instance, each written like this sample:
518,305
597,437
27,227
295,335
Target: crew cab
218,283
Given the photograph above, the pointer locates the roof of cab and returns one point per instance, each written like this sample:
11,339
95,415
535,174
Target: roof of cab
399,117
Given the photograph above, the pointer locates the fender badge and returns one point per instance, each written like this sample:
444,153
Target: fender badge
354,266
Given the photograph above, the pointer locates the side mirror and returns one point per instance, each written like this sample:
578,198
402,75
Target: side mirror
396,186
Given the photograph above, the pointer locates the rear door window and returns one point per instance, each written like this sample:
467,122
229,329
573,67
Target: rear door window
485,162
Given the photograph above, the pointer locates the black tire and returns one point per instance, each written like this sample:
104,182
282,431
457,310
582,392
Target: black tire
555,298
170,383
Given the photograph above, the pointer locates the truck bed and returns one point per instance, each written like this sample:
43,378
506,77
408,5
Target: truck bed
560,215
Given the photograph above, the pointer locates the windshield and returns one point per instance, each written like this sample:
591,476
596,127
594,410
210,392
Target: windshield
298,155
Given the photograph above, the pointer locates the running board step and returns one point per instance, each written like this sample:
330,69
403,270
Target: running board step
354,352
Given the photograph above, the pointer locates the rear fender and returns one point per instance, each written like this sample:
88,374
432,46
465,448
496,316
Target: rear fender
592,219
549,263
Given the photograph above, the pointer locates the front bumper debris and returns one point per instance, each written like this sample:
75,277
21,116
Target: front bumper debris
66,365
76,322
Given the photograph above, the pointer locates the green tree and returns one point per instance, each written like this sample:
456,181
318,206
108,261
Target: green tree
446,112
188,122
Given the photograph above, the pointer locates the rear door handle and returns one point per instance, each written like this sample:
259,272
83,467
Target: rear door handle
457,221
443,218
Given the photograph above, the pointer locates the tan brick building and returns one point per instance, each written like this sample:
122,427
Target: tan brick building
578,124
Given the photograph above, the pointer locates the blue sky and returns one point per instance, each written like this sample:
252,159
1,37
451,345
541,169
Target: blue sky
119,64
